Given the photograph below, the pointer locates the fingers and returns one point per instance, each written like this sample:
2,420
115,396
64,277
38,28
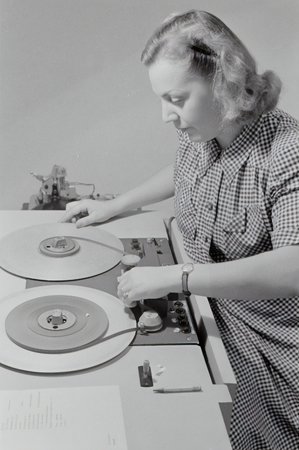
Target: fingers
125,291
128,297
70,205
131,300
88,220
73,209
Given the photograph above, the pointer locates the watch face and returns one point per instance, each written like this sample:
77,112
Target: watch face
188,267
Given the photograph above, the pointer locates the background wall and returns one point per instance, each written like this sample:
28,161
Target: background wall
74,93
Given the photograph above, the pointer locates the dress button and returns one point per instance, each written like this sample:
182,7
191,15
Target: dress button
210,206
206,238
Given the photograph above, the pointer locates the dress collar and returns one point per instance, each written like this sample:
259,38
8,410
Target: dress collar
235,155
210,152
201,155
205,154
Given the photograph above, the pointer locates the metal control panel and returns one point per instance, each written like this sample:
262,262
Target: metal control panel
174,310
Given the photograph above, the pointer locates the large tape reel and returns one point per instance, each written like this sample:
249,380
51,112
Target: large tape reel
97,348
59,251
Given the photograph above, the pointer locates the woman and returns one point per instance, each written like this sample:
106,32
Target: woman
236,188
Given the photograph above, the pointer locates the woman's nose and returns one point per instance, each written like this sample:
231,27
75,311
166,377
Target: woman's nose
168,115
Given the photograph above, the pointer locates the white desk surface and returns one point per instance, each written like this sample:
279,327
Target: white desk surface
152,421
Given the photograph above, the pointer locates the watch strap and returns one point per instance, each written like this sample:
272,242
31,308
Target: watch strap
185,276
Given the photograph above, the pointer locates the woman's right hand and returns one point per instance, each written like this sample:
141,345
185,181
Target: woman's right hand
95,211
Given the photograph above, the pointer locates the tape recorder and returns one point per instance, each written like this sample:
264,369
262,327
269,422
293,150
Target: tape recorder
70,304
62,324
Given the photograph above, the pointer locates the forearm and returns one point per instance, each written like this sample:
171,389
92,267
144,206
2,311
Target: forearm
157,188
272,274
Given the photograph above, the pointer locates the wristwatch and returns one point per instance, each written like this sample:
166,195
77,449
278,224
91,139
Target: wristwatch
186,270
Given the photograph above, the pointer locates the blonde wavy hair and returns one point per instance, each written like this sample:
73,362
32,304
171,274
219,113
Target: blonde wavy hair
213,51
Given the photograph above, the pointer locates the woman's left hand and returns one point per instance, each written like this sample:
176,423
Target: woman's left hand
148,282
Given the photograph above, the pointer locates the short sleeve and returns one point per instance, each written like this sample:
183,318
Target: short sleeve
284,187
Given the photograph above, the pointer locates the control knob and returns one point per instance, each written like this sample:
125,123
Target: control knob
130,260
150,321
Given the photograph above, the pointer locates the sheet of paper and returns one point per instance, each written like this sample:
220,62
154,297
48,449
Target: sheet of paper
81,418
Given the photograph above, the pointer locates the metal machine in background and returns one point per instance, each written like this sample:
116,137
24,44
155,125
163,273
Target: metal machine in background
55,191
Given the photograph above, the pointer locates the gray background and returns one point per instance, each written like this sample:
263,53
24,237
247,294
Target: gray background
74,93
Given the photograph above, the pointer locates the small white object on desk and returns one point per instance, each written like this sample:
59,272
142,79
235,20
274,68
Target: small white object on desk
178,390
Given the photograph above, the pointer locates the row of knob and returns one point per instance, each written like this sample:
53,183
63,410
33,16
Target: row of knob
179,316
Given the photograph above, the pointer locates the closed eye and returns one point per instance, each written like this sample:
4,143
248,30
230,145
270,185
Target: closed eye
176,101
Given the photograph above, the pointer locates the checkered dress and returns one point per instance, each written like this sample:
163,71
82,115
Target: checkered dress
235,203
